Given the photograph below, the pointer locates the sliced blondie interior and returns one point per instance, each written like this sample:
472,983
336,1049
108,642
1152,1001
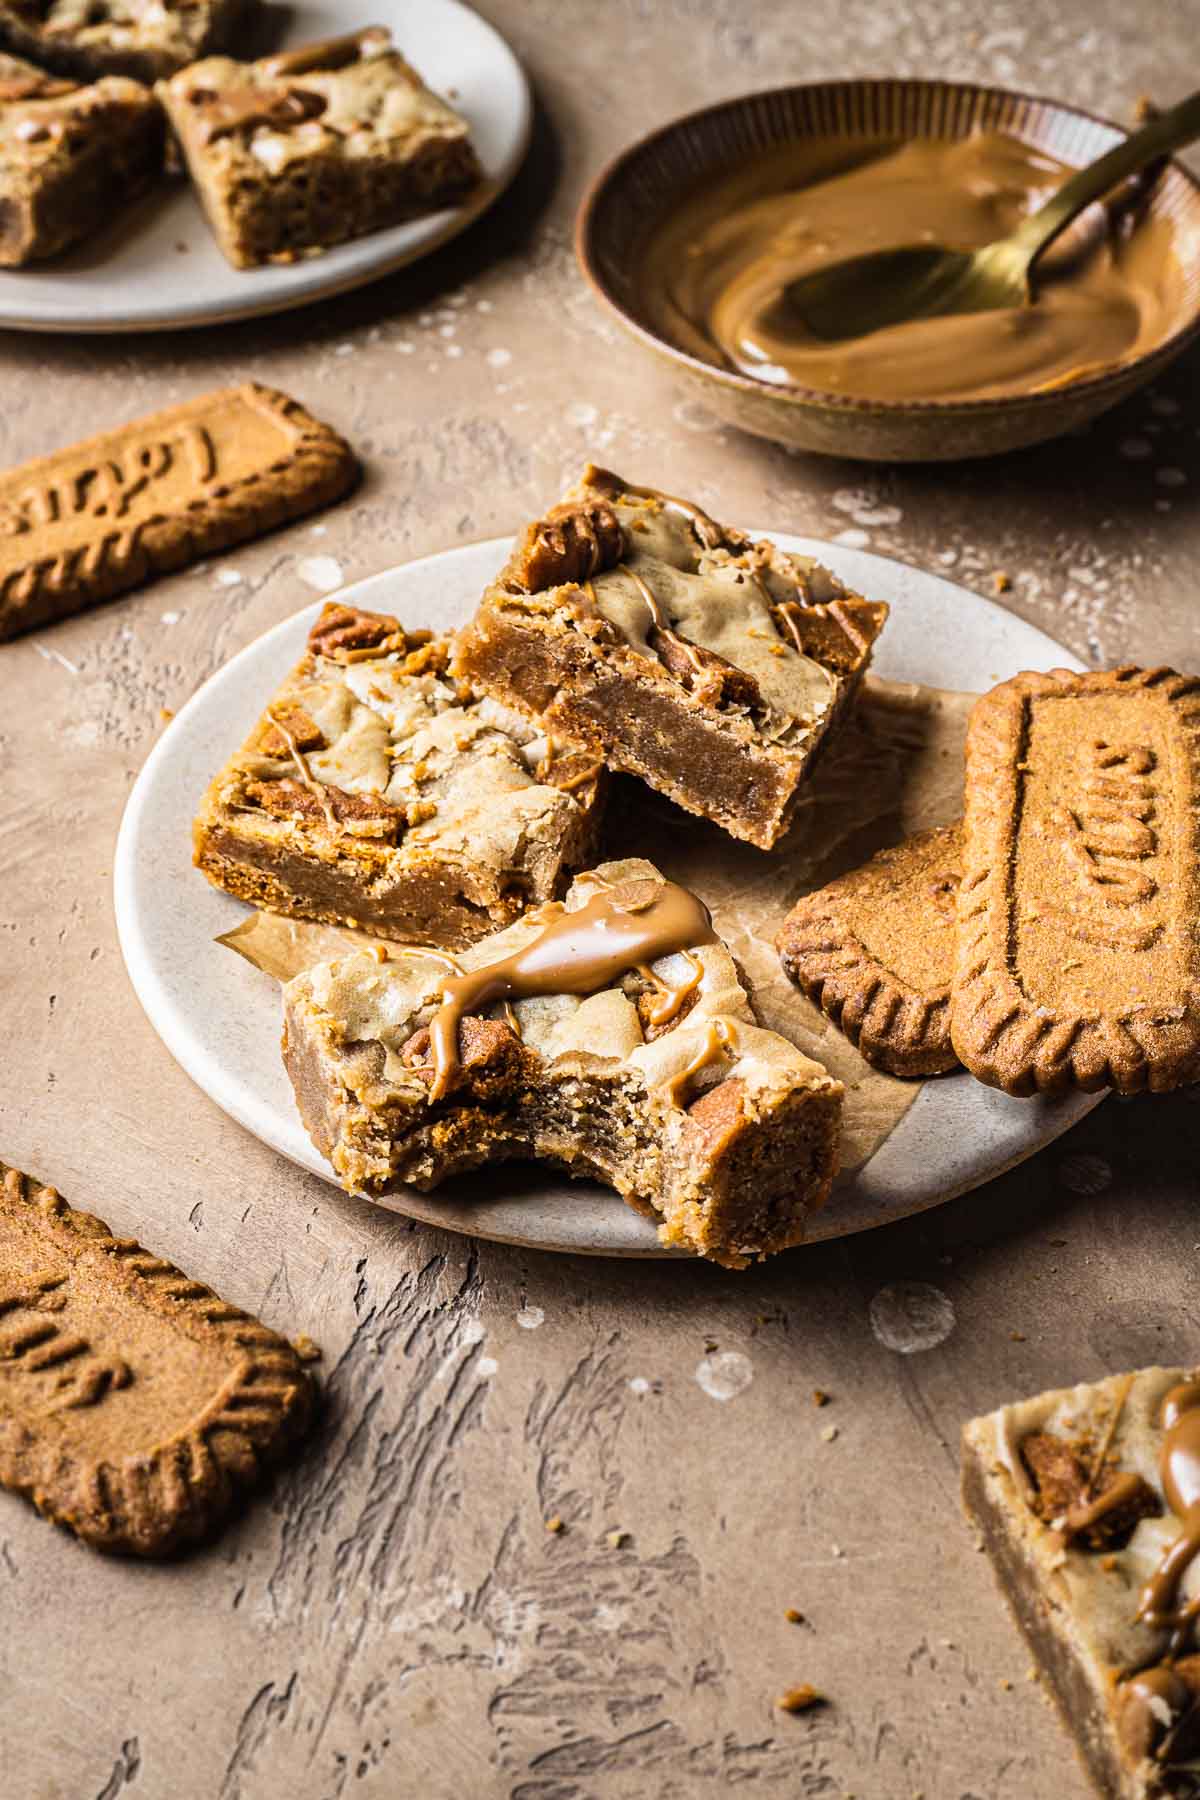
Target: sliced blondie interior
376,791
609,1035
710,665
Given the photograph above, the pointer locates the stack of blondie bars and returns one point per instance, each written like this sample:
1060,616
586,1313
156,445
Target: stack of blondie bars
526,997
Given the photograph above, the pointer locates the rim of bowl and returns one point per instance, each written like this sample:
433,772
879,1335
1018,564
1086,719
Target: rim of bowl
790,393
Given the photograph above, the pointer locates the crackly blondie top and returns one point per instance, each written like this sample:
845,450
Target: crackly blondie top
609,1033
1103,1484
740,622
387,795
149,37
355,94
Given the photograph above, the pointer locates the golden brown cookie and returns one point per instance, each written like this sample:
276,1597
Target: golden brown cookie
1077,959
875,951
94,520
134,1404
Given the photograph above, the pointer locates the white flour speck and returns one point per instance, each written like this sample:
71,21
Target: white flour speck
853,538
499,359
487,1365
55,656
228,577
581,413
864,508
484,306
725,1374
910,1316
1136,448
693,415
318,530
405,346
446,331
454,350
171,618
473,1332
344,350
638,1384
530,1317
321,572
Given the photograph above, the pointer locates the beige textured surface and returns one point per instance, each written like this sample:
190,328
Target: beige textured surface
394,1620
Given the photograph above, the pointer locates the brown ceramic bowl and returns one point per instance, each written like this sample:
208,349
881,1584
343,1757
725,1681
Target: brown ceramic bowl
646,182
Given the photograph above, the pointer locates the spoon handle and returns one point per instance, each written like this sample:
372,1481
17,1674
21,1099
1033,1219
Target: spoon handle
1170,131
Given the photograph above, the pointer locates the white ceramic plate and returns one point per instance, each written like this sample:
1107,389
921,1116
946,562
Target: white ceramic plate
158,267
221,1019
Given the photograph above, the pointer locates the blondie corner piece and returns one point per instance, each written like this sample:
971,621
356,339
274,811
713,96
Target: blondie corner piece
300,151
145,39
135,1406
710,665
875,951
376,792
610,1036
101,517
1088,1502
1078,964
71,158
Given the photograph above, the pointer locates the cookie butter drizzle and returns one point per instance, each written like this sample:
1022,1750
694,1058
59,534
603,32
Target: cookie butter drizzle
577,952
329,53
671,1000
1158,1695
1179,1466
720,1041
706,529
660,621
306,775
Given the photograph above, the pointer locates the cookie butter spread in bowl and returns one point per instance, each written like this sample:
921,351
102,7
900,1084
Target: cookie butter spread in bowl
695,234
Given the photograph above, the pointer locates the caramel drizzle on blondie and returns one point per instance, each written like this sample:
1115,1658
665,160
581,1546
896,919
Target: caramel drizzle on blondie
671,1000
720,1044
306,775
662,625
579,952
1179,1464
329,52
706,528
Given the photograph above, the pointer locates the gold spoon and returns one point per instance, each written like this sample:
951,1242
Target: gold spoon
921,281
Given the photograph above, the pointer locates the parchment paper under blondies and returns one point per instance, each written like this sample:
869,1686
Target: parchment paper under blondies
894,768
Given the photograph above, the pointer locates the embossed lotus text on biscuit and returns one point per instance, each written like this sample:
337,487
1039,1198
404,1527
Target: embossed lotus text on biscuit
1107,838
106,489
60,1370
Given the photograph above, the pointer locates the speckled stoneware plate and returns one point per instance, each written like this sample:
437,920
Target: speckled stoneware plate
647,182
157,268
220,1018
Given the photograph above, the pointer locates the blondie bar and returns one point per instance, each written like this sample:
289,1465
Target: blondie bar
71,157
376,792
710,665
609,1035
303,150
1088,1500
145,39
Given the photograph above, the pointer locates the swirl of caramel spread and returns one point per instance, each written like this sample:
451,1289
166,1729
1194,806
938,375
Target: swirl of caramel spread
1161,1604
714,277
617,931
